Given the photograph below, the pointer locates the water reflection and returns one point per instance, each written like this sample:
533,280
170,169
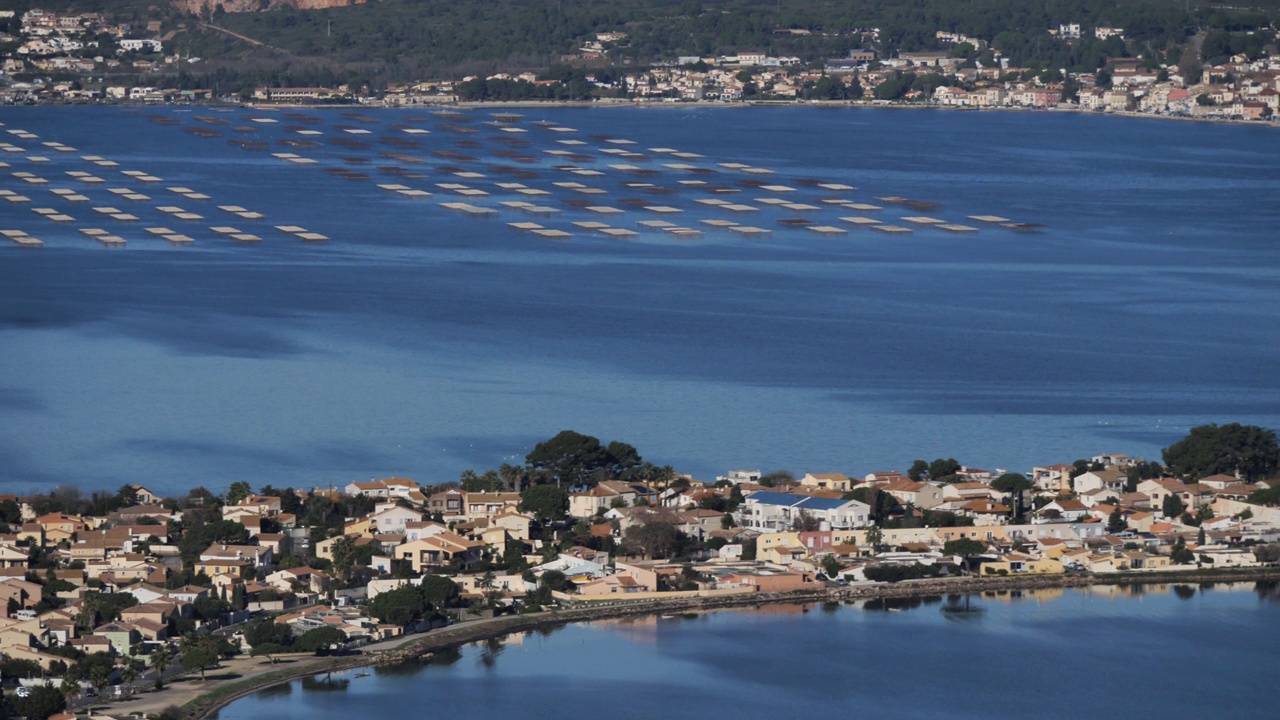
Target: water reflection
325,683
961,607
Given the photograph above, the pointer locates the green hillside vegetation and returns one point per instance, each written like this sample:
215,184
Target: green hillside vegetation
401,40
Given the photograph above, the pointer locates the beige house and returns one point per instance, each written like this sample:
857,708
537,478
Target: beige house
438,550
922,495
836,482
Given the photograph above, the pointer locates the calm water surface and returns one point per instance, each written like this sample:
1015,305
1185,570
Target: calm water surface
419,342
1065,654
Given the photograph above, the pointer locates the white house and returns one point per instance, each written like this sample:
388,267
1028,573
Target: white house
774,511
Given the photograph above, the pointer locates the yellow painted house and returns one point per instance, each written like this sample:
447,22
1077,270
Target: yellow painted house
1019,564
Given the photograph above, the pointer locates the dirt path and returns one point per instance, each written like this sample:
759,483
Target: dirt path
238,36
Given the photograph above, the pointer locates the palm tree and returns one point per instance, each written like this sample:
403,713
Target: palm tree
130,672
159,659
69,687
99,678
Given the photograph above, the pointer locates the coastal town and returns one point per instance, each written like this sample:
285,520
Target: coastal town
46,57
110,595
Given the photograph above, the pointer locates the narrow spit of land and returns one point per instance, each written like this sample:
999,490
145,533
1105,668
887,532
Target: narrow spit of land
243,675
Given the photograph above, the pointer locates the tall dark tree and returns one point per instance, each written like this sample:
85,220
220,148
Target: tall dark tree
1116,521
1247,450
548,502
570,458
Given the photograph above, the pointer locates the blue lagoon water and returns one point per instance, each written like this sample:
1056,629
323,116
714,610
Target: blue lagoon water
420,342
1099,653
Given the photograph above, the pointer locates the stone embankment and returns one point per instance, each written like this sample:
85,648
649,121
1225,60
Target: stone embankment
456,636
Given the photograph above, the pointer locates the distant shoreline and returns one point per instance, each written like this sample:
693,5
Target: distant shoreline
610,104
456,636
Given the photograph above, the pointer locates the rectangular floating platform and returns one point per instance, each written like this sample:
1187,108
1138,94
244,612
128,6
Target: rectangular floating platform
312,237
232,208
683,232
180,190
136,197
246,237
111,240
292,229
827,230
251,215
553,234
224,230
93,232
532,192
591,225
177,239
750,231
740,208
525,226
656,224
772,201
516,204
863,207
124,217
161,231
777,188
603,209
539,210
949,227
890,229
618,232
188,216
801,207
862,221
994,219
836,187
393,186
26,241
663,209
921,220
469,209
414,193
720,223
108,210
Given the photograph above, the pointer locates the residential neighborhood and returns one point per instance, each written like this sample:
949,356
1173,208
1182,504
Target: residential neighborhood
106,591
74,58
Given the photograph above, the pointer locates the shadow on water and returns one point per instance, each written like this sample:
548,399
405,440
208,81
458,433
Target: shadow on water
324,683
892,604
489,651
1268,590
961,608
